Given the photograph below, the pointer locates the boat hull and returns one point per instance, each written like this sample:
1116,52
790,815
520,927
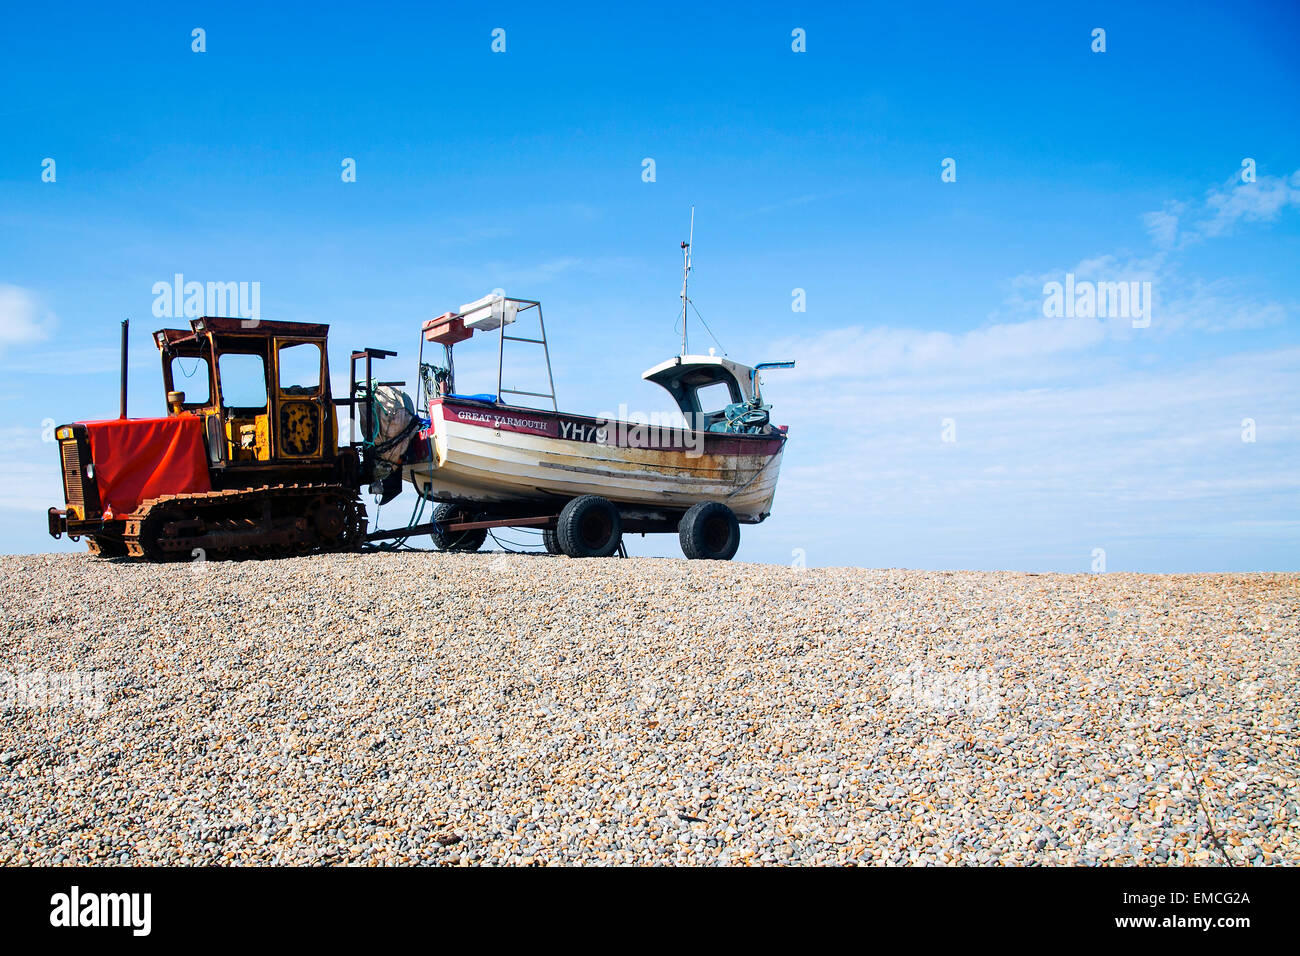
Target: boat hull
494,455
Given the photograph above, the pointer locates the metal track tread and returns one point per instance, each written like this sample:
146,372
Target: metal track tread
266,522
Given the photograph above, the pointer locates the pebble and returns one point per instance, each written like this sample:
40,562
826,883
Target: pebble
413,707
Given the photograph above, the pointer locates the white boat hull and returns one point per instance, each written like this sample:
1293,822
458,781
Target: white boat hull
492,454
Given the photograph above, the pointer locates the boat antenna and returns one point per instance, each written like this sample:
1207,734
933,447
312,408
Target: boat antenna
686,274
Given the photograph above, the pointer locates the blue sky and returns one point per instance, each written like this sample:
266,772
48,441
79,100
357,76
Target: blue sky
817,170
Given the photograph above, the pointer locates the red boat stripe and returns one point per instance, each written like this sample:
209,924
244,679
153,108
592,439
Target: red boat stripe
585,429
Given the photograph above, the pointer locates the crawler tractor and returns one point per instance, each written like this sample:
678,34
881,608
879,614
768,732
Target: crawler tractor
246,462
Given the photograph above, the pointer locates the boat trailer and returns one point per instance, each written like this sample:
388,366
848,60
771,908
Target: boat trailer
434,527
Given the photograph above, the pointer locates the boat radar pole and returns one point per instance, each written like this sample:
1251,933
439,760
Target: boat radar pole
686,273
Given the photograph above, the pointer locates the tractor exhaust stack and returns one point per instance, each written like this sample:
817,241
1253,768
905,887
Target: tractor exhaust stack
126,324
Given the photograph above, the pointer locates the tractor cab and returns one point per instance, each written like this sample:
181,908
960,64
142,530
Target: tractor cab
260,388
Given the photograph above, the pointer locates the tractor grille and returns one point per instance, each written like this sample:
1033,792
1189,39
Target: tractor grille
73,479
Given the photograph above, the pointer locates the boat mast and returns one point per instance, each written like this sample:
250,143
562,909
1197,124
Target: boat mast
686,273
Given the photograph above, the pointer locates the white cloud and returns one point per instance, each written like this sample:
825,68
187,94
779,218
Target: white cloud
29,466
1162,225
1100,454
1260,201
516,278
1225,205
22,319
1020,341
857,352
32,486
1067,437
1214,306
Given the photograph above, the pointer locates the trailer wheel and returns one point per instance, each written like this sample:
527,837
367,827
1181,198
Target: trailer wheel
589,527
550,541
455,540
709,530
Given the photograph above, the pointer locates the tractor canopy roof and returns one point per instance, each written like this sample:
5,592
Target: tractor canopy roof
231,328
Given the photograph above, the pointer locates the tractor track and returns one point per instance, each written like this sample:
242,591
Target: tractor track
265,522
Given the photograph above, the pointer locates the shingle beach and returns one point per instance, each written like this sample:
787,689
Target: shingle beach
527,709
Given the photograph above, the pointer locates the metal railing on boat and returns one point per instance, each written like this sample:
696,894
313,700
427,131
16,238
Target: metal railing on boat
523,306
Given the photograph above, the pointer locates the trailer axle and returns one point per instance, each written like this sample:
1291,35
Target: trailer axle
432,526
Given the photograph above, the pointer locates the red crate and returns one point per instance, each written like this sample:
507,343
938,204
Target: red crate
446,329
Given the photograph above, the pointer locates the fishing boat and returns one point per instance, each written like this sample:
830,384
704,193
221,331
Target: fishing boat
489,460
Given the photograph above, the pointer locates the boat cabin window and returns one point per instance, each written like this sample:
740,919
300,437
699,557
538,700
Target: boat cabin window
715,397
243,380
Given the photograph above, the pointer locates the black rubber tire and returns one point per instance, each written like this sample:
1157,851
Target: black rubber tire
550,541
589,527
709,531
455,540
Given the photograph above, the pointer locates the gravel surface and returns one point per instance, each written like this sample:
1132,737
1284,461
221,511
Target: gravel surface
412,707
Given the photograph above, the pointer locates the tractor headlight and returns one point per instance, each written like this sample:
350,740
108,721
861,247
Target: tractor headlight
90,471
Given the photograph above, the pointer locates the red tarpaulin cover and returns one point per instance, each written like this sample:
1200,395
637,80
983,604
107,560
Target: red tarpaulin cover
141,458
